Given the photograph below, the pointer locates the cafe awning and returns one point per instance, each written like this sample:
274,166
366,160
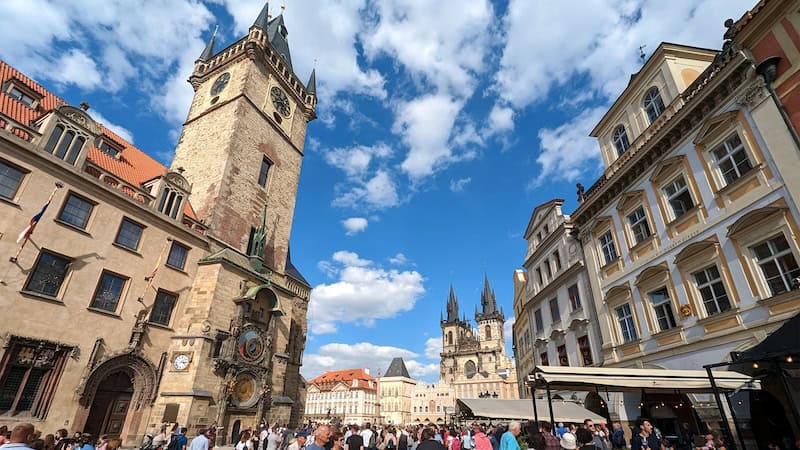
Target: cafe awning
490,408
616,379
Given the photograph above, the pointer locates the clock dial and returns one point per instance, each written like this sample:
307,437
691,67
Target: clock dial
251,346
220,83
245,390
280,101
181,362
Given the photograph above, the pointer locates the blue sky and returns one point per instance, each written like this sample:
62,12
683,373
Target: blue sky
441,126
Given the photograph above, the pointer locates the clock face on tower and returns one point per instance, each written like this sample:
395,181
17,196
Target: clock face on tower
220,83
280,101
181,362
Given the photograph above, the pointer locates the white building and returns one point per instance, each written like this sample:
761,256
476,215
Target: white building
349,396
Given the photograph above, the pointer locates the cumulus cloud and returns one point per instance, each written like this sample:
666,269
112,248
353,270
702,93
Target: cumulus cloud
433,348
363,293
355,161
398,260
460,184
338,356
501,119
567,151
354,225
378,192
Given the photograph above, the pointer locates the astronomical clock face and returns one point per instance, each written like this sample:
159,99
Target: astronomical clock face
220,83
245,391
251,346
280,101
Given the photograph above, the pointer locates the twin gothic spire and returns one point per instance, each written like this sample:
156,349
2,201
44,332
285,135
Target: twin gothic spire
488,310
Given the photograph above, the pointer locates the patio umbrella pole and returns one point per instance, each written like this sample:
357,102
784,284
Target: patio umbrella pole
725,425
549,404
535,411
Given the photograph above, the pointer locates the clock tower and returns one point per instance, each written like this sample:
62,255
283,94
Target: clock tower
237,349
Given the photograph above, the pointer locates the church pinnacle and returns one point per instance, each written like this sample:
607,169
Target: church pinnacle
489,308
452,306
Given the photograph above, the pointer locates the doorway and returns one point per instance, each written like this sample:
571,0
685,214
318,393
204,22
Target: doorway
110,406
237,426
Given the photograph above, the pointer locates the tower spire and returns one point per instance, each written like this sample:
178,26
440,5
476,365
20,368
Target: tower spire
452,306
263,17
488,301
311,86
208,52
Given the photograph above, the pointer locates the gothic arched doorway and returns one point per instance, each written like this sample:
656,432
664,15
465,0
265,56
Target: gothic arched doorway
237,425
110,405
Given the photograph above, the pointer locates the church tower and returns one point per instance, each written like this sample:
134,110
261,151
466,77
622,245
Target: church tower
241,147
490,319
456,335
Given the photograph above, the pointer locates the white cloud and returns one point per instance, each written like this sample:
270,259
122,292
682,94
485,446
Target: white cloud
77,67
379,192
460,184
121,131
508,327
398,260
355,161
425,124
338,356
433,348
501,119
353,298
567,152
354,225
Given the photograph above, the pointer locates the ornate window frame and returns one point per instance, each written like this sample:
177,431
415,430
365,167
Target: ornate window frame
753,228
627,205
602,226
697,256
619,138
616,297
653,278
714,133
665,173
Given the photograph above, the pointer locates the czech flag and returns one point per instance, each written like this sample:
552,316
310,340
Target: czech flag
28,231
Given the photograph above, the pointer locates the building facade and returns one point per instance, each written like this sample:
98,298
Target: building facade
690,235
473,360
150,294
395,390
343,396
432,403
556,320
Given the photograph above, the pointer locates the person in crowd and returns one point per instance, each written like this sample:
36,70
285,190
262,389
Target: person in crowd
437,435
200,442
646,439
355,441
86,442
585,439
21,436
299,441
61,439
321,437
466,439
618,436
273,439
113,444
534,439
550,440
181,439
482,441
103,442
160,439
560,429
244,436
453,442
370,439
389,439
427,441
338,440
49,442
598,440
494,437
402,438
509,439
568,440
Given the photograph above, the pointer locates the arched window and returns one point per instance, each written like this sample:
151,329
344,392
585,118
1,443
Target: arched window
488,332
653,104
620,138
449,338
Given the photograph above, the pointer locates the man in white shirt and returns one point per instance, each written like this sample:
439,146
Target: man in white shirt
367,434
200,442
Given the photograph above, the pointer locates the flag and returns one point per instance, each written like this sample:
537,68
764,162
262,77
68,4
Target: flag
28,231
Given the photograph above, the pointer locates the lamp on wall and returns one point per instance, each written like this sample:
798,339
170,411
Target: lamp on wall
768,69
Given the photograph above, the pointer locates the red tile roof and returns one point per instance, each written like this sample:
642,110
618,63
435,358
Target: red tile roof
329,379
133,166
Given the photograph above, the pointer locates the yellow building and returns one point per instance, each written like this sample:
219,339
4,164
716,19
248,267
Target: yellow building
395,390
347,396
150,294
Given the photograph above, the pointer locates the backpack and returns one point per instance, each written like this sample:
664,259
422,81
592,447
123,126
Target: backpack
173,443
371,443
403,445
618,439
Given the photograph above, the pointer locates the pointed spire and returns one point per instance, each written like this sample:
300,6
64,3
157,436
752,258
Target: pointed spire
263,17
208,52
452,306
311,86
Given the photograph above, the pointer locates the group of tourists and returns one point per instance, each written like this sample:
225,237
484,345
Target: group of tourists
25,437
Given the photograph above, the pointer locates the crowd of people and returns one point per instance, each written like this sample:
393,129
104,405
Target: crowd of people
477,436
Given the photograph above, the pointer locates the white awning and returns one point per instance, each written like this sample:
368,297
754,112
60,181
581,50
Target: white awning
624,379
490,408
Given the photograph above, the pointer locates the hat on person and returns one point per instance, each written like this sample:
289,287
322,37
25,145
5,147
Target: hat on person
568,441
302,434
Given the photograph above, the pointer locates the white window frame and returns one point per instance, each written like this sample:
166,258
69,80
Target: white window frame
776,258
620,140
626,322
653,103
608,248
679,189
710,285
662,309
730,151
639,225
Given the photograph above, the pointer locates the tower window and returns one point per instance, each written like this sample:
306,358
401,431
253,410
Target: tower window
620,139
171,202
162,308
488,332
263,174
65,144
653,105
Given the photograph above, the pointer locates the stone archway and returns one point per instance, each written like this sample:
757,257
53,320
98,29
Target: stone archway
139,394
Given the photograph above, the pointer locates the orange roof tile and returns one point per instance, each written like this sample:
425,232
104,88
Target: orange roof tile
329,379
133,166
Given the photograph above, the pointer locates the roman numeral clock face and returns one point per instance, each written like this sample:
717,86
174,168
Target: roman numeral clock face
280,101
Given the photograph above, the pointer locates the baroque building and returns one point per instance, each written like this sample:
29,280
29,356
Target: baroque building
432,403
395,389
556,322
347,396
474,360
690,234
150,294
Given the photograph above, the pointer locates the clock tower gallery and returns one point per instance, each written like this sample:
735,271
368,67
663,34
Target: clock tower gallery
236,353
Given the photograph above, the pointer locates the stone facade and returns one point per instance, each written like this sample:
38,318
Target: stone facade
432,403
147,294
395,389
556,322
473,360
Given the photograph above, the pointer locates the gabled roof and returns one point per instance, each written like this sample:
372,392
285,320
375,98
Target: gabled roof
397,368
329,380
133,166
542,207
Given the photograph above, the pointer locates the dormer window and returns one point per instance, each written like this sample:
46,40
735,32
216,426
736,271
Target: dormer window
171,202
22,97
653,105
65,143
22,93
620,139
109,147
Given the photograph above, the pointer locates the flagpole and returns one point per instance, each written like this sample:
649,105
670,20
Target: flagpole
152,275
13,259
